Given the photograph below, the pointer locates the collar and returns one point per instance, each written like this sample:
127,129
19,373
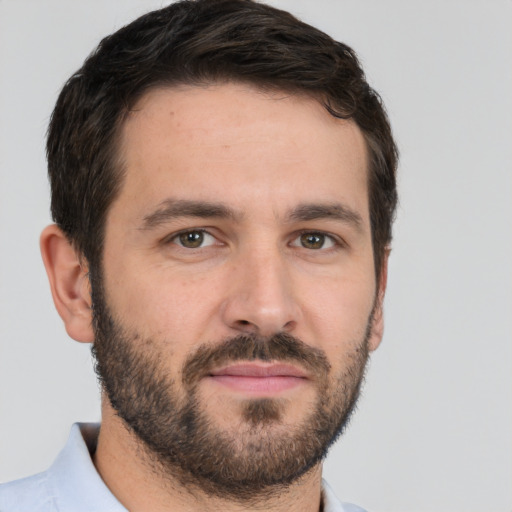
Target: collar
75,484
73,480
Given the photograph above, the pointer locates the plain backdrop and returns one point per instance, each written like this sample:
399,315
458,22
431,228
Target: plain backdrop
433,431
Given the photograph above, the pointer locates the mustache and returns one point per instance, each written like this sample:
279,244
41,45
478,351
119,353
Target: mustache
279,347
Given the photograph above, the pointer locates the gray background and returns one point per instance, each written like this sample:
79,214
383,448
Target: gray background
434,426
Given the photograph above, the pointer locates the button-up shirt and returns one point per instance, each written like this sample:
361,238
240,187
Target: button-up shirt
72,483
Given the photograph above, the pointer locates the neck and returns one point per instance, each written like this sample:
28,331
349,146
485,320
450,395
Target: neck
127,470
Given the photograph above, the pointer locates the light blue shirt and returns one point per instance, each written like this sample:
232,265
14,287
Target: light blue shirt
72,483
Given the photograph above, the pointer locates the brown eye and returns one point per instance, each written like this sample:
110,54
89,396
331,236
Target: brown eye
191,239
315,241
312,240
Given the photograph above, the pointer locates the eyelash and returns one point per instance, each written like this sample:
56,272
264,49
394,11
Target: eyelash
337,243
174,236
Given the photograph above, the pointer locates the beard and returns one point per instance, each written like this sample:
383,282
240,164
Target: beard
257,458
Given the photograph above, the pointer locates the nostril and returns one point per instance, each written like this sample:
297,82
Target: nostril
245,326
289,326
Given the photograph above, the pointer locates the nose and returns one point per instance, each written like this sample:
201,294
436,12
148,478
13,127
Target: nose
261,298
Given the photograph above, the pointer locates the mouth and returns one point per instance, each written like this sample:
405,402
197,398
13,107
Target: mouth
262,379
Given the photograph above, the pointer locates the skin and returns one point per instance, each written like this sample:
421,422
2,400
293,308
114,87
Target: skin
260,155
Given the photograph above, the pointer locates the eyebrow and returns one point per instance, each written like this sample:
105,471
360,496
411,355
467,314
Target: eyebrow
172,209
335,211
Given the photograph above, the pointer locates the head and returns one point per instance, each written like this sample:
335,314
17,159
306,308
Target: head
225,177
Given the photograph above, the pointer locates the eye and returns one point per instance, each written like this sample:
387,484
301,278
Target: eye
193,239
314,241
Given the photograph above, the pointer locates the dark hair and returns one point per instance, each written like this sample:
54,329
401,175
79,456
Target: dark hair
201,42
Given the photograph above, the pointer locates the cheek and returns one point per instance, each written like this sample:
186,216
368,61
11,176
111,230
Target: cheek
339,311
161,302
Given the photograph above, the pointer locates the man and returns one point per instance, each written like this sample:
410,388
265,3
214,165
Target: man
223,187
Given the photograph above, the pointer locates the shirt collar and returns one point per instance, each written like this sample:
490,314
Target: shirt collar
76,485
73,479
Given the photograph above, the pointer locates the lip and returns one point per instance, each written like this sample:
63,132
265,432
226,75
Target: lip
259,378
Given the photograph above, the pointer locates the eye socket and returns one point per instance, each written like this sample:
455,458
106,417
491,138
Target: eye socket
314,241
193,239
197,238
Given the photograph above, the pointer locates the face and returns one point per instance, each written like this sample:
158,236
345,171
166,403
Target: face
235,313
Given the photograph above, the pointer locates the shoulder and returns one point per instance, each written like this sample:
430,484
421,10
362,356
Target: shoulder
28,494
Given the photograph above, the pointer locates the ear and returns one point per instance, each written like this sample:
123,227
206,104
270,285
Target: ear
378,312
69,283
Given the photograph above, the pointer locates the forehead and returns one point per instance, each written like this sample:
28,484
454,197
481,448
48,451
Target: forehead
219,139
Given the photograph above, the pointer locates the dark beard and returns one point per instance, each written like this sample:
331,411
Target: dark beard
180,441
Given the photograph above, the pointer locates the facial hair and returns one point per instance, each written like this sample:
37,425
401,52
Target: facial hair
178,439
